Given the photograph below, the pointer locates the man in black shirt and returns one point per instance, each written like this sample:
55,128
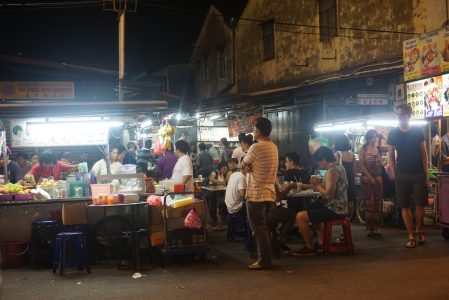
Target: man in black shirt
409,172
294,172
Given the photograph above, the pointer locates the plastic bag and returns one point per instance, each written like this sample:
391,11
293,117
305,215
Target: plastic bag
154,200
192,220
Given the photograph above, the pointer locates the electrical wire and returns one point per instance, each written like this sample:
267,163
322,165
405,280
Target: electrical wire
280,22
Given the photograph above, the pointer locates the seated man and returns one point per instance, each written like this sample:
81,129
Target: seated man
334,205
235,193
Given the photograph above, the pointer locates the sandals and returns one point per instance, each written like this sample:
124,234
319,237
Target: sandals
411,243
421,238
373,233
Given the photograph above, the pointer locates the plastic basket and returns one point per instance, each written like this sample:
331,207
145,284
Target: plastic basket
101,189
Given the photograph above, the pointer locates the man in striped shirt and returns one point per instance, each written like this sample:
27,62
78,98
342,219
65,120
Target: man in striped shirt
260,165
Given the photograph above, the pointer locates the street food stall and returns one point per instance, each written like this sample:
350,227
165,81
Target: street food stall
426,73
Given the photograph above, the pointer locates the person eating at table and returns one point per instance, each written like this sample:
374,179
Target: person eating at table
236,192
232,167
333,190
49,166
218,177
294,173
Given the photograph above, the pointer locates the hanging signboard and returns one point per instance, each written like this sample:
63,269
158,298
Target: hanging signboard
245,124
37,90
429,97
444,47
412,66
39,133
430,56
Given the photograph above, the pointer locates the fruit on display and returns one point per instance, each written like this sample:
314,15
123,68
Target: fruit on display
48,184
15,188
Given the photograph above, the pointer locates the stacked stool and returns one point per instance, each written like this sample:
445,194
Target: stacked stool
135,240
236,222
42,240
70,251
346,245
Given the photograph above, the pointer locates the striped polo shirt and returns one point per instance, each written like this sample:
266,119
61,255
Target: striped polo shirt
264,161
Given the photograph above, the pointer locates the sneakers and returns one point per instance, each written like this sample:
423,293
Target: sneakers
304,251
258,266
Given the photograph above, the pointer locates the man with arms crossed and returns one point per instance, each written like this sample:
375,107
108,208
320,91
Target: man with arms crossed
261,164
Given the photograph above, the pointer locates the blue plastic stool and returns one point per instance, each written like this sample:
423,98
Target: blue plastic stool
236,222
70,250
42,239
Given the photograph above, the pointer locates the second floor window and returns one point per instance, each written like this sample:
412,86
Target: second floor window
328,19
268,39
207,67
221,62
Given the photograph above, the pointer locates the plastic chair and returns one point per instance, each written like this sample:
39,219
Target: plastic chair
344,246
42,239
70,250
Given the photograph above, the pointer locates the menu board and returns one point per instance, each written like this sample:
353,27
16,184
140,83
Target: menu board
214,134
430,56
412,66
39,133
427,55
429,97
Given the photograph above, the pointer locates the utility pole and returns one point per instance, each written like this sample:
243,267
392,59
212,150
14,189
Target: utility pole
121,7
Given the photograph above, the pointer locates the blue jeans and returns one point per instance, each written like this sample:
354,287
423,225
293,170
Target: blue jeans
257,216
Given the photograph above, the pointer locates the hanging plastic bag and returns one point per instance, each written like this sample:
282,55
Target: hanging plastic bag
192,220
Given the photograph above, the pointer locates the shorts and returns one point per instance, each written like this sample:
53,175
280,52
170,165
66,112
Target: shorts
411,186
319,214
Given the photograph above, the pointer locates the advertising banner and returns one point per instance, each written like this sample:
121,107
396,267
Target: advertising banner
241,124
412,66
429,97
430,56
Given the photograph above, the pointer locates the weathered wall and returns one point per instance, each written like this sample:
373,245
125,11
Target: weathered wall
300,53
215,33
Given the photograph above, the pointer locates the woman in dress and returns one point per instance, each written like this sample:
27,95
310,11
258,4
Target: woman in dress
371,165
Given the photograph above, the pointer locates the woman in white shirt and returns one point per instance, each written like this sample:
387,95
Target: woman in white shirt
183,170
101,168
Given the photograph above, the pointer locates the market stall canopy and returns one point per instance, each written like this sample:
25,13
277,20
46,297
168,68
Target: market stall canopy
36,109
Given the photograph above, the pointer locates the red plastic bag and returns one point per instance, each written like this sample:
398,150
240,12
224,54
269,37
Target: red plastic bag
154,200
192,220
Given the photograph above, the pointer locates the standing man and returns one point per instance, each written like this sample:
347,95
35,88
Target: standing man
204,161
261,164
131,155
409,171
238,152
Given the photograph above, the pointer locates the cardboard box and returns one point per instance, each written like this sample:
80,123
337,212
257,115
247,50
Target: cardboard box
156,236
74,214
155,215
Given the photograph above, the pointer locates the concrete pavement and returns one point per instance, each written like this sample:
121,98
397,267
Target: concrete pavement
381,269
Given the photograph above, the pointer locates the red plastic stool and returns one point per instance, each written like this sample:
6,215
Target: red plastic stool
346,245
